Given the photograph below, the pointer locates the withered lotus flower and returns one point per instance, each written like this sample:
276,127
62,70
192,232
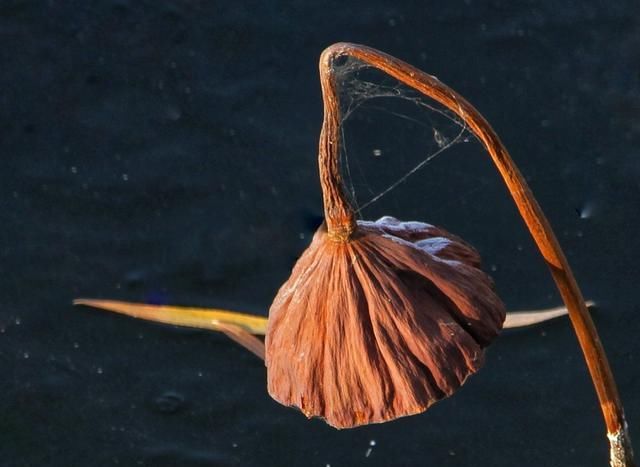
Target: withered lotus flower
381,325
378,320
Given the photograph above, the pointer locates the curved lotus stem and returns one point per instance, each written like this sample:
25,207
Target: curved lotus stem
339,215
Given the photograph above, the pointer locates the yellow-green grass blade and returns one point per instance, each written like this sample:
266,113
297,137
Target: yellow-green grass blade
212,318
242,327
203,318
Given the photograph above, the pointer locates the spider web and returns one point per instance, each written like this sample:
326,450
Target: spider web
385,121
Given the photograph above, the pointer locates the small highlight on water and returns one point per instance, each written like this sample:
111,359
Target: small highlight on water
372,444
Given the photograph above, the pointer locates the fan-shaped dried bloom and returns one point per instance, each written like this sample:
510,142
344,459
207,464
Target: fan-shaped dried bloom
381,326
379,319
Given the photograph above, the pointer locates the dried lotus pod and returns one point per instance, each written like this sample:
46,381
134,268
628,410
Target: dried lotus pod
380,326
378,320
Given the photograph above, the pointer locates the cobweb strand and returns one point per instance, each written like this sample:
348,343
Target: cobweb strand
356,91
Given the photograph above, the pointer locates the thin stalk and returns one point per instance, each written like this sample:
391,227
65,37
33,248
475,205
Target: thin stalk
340,223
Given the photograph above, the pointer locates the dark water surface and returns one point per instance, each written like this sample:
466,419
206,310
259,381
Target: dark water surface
165,151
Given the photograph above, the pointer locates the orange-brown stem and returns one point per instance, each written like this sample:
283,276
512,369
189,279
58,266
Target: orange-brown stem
340,217
338,213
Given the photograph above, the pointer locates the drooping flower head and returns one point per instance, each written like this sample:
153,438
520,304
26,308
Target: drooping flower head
381,326
379,319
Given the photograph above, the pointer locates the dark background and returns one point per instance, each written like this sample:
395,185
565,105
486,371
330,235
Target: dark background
165,151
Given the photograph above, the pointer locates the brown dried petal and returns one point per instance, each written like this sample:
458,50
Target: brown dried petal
381,326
